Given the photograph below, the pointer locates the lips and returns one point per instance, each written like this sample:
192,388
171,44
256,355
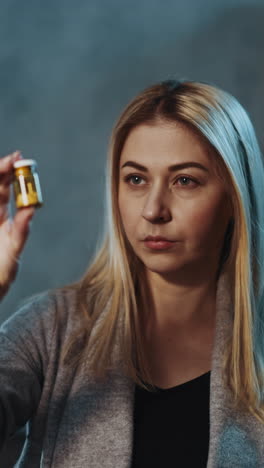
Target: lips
157,239
158,245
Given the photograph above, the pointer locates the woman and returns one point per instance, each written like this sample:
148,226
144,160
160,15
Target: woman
155,358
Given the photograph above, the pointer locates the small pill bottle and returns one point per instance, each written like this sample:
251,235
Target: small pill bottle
26,186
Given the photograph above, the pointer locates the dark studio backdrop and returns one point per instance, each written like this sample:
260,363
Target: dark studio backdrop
67,69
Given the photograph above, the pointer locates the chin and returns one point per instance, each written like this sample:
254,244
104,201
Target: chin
160,265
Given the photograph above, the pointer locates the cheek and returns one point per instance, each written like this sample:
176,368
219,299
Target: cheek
208,218
129,214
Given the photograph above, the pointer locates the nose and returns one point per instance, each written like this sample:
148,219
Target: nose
156,207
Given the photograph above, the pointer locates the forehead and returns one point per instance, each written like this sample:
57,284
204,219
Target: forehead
165,143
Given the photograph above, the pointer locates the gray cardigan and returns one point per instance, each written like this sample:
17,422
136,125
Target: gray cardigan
74,421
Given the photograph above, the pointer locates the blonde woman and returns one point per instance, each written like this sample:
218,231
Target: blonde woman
155,357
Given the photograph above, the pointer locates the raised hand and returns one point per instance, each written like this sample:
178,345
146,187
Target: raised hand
13,232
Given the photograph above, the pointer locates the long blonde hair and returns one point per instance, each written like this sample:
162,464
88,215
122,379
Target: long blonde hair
115,276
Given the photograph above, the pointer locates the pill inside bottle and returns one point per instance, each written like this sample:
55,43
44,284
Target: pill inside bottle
26,185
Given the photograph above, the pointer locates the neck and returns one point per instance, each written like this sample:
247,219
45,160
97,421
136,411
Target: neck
182,307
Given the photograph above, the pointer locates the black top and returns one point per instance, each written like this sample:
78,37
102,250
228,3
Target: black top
171,426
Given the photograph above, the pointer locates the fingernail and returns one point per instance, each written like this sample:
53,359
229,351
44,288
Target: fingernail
16,154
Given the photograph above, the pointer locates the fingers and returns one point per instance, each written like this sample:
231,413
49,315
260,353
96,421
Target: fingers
6,177
6,164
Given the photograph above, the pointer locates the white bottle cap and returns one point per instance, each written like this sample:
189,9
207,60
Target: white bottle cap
24,162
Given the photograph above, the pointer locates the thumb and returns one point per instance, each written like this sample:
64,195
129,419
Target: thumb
19,228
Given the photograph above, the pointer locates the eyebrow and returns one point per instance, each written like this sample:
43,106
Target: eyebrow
175,167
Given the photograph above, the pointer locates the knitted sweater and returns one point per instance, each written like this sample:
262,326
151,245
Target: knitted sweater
75,421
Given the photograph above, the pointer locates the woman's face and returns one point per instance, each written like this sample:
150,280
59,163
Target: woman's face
186,204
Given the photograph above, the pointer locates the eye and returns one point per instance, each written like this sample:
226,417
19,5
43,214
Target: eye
128,178
188,179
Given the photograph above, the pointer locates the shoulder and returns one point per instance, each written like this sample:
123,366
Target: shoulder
42,314
38,328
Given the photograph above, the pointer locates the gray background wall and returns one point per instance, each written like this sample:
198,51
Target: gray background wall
67,69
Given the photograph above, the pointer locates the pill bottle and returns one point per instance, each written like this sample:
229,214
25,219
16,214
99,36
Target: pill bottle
26,186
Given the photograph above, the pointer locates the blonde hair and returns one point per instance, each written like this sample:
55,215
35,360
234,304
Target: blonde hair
115,278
